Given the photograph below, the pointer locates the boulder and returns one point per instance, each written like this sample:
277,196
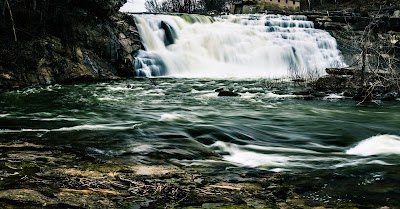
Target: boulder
396,13
340,71
334,26
219,89
224,93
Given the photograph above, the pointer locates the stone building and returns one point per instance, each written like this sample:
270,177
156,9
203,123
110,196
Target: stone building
256,6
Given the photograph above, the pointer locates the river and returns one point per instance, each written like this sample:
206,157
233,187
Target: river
351,149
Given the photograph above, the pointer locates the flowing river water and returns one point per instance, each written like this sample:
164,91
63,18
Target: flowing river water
349,149
337,150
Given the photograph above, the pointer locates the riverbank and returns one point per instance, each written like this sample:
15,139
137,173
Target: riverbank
38,176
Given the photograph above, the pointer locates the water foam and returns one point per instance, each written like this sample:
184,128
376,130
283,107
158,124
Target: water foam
377,145
233,46
170,117
249,158
98,127
23,130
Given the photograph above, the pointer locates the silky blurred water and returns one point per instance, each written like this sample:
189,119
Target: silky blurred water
183,121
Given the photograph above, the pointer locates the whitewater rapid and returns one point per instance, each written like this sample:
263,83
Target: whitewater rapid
233,46
377,145
271,157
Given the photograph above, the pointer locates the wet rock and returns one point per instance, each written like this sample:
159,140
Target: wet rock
396,14
340,71
80,181
155,170
391,96
334,26
219,89
319,94
79,54
84,200
126,45
348,94
304,92
170,33
331,82
5,76
225,93
27,196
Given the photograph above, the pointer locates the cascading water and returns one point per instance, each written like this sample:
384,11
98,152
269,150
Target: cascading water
245,46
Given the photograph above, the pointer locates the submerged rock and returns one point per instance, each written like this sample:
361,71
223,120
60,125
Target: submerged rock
340,71
170,33
225,93
219,89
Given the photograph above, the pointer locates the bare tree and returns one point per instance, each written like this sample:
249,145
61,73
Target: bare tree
185,6
375,57
6,3
153,6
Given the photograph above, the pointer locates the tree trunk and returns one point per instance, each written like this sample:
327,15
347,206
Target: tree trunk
12,21
363,64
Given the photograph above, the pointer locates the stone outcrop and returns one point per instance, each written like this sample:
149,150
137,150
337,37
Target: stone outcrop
84,41
347,81
342,20
349,30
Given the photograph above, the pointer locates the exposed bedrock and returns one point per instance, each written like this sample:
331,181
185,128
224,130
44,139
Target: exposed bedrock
66,41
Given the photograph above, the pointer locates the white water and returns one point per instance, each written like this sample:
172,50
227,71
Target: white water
246,46
377,145
261,156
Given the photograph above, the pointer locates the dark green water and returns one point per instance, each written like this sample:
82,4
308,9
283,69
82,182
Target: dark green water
183,121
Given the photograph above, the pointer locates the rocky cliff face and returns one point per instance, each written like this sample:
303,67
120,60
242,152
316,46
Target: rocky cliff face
349,28
370,44
65,41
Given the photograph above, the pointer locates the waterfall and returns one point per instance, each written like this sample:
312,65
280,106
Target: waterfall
233,46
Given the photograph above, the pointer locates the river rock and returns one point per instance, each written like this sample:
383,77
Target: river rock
340,71
225,93
170,33
126,45
396,13
332,83
219,89
390,96
27,196
334,26
304,92
79,54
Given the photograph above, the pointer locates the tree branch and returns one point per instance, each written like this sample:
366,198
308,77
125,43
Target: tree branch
12,20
